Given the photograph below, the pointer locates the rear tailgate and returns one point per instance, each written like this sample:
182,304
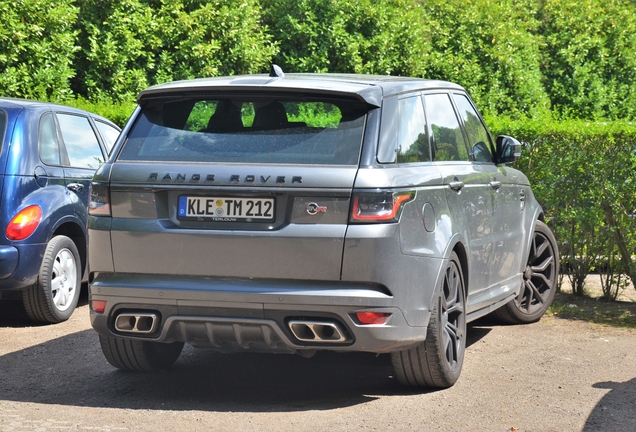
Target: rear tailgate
216,220
241,185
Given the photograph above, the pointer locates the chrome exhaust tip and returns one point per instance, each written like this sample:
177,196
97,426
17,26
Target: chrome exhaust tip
317,331
136,322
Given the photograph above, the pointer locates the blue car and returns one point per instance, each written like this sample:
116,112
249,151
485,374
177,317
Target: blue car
48,155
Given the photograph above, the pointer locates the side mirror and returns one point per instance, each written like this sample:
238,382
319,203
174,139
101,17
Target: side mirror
508,149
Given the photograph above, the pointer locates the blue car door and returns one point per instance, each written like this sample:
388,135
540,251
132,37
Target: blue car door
85,155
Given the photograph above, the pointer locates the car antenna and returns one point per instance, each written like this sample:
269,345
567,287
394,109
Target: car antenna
276,72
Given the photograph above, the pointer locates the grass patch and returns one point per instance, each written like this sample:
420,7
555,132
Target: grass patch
594,310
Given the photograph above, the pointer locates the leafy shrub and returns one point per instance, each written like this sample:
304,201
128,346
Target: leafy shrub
588,59
128,45
491,48
584,175
117,112
37,48
352,36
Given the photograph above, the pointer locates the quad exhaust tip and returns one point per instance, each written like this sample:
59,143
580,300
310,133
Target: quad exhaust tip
136,322
317,331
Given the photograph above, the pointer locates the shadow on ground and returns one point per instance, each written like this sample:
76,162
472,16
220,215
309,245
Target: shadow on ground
12,312
71,370
616,411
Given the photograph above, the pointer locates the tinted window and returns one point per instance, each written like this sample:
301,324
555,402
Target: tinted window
80,141
478,139
412,138
47,141
449,142
247,131
109,134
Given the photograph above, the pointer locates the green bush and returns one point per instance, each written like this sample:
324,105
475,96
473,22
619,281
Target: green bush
491,48
584,175
117,112
128,45
350,36
588,59
37,48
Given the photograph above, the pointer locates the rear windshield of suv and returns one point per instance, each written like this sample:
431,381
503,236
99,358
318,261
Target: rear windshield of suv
247,130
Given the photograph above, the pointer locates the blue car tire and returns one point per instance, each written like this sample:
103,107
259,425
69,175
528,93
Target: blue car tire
53,298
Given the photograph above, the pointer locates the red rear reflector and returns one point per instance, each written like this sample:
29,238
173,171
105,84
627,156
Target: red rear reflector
98,306
372,317
24,223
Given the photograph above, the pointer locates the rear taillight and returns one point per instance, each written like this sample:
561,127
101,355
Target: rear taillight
98,306
379,206
372,318
23,224
100,200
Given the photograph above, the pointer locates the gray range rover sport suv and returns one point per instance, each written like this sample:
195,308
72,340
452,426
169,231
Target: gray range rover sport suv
303,212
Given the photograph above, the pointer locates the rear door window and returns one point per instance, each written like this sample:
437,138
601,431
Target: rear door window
449,144
244,130
412,137
109,134
48,143
80,141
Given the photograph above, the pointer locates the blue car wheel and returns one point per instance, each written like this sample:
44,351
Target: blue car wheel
53,298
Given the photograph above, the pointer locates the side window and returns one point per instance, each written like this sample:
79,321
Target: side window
412,137
47,141
109,134
478,139
80,141
449,141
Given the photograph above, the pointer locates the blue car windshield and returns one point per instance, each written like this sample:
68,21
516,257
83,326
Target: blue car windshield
242,130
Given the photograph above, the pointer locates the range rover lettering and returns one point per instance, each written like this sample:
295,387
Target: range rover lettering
292,213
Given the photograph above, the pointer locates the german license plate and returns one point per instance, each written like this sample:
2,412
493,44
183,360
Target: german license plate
226,209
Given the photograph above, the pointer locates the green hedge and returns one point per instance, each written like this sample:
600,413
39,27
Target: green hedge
37,47
584,175
117,112
571,58
128,45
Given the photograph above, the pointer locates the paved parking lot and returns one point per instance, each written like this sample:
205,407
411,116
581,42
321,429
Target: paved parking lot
552,376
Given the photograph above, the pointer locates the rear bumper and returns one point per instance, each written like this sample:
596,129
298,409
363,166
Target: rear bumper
8,261
20,265
250,314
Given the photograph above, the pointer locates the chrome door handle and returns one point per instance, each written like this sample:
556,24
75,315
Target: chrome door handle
456,185
75,187
495,184
522,195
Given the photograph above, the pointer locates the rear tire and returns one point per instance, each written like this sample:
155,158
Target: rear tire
437,362
53,297
540,280
144,356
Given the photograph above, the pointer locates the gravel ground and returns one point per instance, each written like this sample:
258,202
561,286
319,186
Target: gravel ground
555,375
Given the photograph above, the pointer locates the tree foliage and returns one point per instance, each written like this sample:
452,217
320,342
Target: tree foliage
567,58
491,48
128,45
350,36
584,175
37,48
588,59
